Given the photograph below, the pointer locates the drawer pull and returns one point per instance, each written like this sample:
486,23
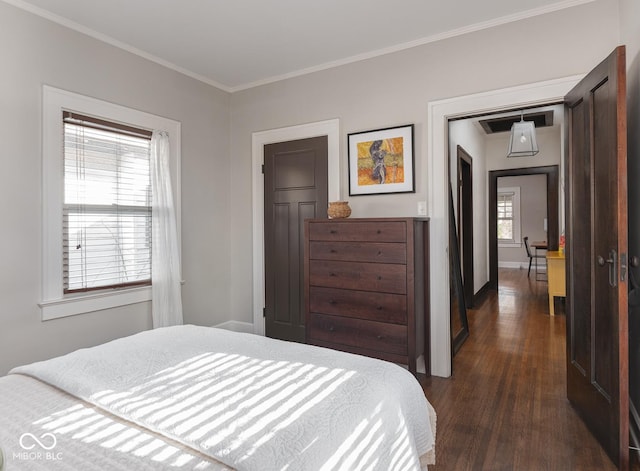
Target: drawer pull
331,328
379,277
333,251
332,274
379,252
378,231
379,337
333,231
379,308
333,302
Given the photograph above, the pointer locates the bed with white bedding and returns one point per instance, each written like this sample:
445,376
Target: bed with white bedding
190,397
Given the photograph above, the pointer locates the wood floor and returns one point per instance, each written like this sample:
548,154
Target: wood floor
505,407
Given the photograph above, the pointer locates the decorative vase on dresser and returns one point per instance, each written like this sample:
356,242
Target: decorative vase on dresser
338,210
367,287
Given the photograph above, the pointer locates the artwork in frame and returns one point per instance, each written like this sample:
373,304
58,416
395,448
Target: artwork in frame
381,161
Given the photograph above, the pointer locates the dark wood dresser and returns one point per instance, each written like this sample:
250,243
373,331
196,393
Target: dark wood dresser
367,287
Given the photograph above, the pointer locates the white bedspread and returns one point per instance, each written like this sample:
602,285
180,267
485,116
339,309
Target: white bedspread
73,435
254,403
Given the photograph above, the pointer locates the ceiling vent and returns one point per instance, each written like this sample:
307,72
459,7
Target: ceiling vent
541,119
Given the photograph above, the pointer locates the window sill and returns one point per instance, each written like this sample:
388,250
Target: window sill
512,245
71,306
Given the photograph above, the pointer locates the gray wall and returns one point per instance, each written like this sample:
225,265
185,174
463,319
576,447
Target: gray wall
549,143
533,210
395,89
34,52
216,145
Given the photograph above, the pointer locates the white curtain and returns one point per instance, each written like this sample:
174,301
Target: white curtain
165,268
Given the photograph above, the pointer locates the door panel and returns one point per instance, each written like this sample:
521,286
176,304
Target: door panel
295,185
465,223
579,253
597,324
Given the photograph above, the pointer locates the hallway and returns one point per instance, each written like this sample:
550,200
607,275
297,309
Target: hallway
505,406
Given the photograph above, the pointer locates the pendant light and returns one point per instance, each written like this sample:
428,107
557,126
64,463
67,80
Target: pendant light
523,139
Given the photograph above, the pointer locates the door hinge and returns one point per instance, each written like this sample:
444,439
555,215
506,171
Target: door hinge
264,312
263,169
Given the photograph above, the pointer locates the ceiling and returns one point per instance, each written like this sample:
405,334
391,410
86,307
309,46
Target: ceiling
493,124
553,120
238,44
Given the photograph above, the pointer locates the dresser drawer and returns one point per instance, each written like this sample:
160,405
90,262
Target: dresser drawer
382,307
359,333
379,277
377,252
371,231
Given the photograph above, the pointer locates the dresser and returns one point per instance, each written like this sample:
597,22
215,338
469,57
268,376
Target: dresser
366,287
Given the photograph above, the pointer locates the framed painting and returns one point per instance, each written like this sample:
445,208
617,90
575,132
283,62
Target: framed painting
381,161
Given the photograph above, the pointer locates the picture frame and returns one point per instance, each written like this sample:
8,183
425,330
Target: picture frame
381,161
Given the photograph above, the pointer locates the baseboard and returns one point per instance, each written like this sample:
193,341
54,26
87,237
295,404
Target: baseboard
236,326
522,266
518,265
482,292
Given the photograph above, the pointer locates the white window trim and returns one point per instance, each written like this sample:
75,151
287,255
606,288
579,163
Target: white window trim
517,238
54,303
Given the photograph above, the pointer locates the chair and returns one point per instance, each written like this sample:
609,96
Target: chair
531,255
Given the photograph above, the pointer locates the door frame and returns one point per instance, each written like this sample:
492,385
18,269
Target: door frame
439,112
329,128
465,223
553,210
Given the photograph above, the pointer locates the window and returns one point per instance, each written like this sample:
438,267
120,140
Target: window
505,217
509,217
96,218
107,205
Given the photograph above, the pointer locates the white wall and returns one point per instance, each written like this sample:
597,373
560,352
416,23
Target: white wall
472,139
34,52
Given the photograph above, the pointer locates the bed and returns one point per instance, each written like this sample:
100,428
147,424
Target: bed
189,397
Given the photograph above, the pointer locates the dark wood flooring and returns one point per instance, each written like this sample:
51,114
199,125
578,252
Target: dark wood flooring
505,407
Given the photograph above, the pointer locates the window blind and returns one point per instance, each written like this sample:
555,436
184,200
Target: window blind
107,205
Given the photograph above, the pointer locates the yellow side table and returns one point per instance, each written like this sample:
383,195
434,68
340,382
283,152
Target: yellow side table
556,276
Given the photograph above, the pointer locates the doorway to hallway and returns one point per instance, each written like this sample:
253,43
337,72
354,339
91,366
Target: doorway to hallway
505,406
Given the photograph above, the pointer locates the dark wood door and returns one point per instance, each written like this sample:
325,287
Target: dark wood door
597,323
295,189
465,222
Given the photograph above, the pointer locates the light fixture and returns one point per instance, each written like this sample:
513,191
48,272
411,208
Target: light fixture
523,139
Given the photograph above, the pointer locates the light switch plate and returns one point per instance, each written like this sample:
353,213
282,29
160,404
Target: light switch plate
422,208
